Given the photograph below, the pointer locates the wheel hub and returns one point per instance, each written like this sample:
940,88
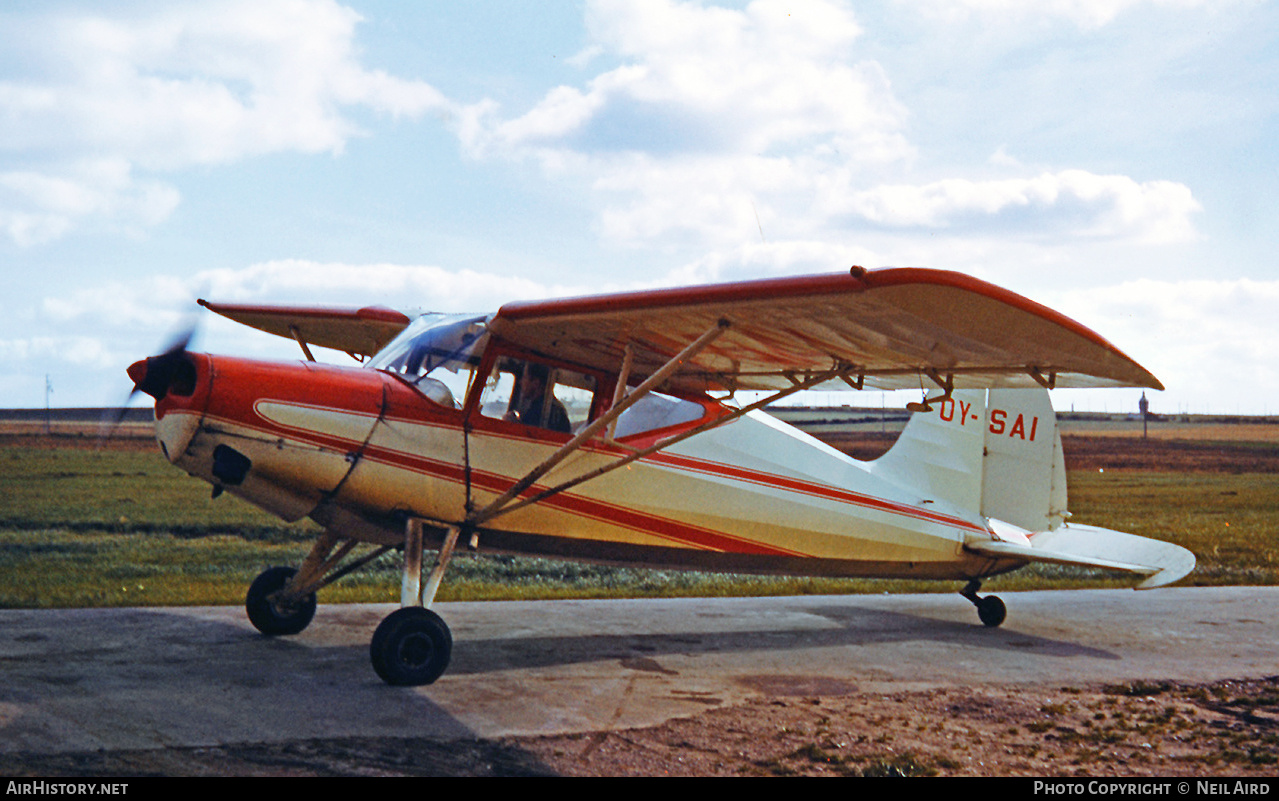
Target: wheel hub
416,650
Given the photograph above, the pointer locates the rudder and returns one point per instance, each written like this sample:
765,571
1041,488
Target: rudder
1024,469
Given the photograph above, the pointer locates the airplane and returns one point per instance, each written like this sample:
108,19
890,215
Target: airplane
628,428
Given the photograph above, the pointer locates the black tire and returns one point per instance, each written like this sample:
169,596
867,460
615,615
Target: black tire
275,619
992,611
411,647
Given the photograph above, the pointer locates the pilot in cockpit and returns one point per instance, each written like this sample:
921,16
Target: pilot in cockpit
529,404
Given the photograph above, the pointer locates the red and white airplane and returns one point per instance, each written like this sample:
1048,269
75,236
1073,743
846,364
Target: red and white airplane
604,428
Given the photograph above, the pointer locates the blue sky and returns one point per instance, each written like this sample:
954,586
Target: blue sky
1113,159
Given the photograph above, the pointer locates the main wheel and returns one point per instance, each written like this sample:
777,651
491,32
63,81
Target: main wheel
991,610
268,615
411,647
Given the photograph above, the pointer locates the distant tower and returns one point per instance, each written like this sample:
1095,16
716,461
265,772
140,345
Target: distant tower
1144,406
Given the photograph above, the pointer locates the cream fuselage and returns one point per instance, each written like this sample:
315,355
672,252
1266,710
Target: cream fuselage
359,451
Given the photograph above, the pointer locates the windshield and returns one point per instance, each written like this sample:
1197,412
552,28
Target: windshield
437,353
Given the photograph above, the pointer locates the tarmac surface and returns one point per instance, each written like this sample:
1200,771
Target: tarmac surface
108,679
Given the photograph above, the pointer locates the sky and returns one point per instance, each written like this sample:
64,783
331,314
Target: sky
1113,159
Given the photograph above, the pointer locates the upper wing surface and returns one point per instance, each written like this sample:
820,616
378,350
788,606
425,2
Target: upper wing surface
359,332
889,326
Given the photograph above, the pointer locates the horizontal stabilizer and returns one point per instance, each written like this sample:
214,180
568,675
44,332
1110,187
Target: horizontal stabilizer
1088,546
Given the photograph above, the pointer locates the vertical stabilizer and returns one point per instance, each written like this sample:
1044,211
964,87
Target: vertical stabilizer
939,454
997,453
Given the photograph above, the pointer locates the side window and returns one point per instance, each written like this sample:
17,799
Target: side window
654,411
535,394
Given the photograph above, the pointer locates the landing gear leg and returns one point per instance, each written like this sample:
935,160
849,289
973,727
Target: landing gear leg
990,609
412,645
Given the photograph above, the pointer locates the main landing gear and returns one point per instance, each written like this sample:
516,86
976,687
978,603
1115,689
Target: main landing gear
411,646
990,610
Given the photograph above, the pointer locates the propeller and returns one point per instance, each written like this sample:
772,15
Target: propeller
155,375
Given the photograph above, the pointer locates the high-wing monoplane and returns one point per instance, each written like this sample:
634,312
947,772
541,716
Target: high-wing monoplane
628,428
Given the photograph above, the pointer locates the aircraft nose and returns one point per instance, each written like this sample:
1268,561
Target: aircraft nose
138,373
171,373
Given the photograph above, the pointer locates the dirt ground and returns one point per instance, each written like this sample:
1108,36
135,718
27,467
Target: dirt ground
1131,730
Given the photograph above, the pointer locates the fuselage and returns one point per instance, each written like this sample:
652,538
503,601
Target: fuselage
359,450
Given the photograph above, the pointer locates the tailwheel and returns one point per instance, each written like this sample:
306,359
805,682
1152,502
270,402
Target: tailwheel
990,610
270,612
411,647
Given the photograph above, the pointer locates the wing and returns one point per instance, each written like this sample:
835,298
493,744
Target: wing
890,327
359,332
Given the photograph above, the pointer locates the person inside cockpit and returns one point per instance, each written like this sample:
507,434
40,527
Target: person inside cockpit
530,406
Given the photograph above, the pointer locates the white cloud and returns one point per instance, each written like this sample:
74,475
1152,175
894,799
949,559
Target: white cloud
38,206
1086,14
789,257
721,127
403,287
169,88
161,303
1086,205
1208,341
700,78
201,83
715,118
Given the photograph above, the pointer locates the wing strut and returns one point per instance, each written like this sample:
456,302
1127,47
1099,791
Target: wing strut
293,329
840,371
619,392
496,507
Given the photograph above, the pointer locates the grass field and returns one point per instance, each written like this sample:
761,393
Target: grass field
84,527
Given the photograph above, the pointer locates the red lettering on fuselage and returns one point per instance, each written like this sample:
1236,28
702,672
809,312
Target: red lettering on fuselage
997,421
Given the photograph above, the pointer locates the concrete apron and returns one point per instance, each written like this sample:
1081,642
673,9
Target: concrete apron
88,679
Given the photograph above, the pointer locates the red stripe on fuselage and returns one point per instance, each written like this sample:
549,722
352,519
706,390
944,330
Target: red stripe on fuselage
581,506
805,487
328,388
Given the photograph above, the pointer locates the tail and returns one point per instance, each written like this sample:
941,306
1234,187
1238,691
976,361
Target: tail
996,452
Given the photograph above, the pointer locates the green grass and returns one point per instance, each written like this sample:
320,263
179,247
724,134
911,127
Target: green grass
1229,520
102,528
120,491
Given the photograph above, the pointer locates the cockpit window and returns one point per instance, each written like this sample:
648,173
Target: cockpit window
437,353
536,394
